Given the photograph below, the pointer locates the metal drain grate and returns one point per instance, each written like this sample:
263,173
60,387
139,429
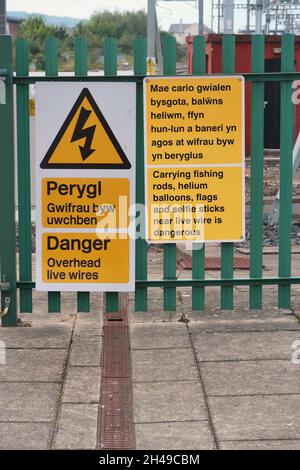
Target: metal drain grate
116,397
115,352
116,427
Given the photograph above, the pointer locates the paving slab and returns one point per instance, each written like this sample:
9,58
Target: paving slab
159,335
96,304
272,417
251,377
28,401
25,436
285,444
77,427
68,306
163,365
243,321
40,304
82,385
241,310
174,436
169,401
33,365
85,351
88,325
155,314
244,345
44,335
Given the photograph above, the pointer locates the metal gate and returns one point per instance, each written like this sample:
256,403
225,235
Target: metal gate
11,282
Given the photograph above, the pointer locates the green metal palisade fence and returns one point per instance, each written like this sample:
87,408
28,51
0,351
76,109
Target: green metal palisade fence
7,193
140,55
169,282
23,153
51,69
198,253
257,170
81,69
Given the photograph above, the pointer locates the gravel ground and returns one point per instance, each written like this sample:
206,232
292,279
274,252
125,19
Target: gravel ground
271,178
271,234
271,185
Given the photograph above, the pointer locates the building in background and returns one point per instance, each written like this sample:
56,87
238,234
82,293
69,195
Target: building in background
13,23
181,30
243,65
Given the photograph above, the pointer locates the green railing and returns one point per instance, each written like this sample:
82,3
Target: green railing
169,283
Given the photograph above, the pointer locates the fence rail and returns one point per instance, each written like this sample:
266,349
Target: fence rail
169,282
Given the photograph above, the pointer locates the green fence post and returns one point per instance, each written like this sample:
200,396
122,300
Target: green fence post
110,56
228,66
81,68
24,201
169,264
198,253
257,171
51,69
111,68
286,170
140,58
81,57
7,187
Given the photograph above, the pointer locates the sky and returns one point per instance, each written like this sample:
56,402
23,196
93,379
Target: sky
168,11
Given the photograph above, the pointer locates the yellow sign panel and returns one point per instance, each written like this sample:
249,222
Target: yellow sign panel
85,140
195,203
194,158
84,258
32,107
194,121
151,66
85,202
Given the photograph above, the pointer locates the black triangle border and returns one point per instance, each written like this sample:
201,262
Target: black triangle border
125,165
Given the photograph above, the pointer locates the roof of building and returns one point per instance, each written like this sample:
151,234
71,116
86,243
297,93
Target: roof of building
15,19
182,27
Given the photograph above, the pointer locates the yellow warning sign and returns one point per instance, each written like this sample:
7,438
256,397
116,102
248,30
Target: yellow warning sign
194,159
85,187
85,202
85,140
151,66
32,107
84,258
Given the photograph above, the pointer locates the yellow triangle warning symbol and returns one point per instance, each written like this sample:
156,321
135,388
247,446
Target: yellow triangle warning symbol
150,62
85,140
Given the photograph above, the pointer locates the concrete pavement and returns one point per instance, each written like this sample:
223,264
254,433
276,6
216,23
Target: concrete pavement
50,384
218,380
223,381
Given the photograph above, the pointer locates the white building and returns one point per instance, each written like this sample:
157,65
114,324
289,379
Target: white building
181,30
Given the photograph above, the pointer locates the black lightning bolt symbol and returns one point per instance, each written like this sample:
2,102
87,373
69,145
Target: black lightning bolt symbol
81,133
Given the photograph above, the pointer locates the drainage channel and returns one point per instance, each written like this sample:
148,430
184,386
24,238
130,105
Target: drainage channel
116,427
